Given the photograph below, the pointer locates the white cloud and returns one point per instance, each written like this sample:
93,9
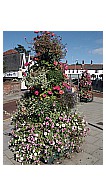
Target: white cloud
98,51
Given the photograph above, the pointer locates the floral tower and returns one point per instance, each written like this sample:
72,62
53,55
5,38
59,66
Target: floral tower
44,127
85,87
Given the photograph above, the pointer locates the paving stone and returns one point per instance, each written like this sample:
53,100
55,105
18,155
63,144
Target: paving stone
98,154
99,162
99,143
91,139
68,162
6,161
100,135
89,148
84,158
93,133
5,142
9,153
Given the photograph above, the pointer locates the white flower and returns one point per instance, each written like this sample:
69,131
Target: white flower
24,139
30,156
35,154
79,128
21,158
33,150
17,155
63,125
57,124
36,134
35,138
45,133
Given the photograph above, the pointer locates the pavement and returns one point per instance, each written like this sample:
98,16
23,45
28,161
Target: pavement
92,147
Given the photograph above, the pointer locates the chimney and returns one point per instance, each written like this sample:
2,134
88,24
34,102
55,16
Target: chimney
91,62
82,62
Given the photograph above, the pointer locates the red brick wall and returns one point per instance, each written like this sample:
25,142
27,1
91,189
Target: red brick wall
11,87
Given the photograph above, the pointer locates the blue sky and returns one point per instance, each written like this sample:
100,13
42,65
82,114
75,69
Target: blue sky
81,45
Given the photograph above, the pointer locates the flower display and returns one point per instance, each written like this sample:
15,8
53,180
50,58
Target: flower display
45,128
85,87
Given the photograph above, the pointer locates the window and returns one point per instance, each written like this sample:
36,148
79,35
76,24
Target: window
77,70
73,71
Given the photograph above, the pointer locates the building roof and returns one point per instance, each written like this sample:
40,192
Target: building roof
11,51
86,66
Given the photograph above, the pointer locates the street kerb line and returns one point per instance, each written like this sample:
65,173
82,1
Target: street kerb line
95,126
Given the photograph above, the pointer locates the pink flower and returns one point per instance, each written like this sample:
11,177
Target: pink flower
44,95
26,64
65,75
47,123
66,67
36,92
52,125
58,149
50,92
36,31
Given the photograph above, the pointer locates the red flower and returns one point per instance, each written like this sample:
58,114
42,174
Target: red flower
36,31
56,88
35,59
61,92
53,34
24,74
48,32
55,63
26,64
36,92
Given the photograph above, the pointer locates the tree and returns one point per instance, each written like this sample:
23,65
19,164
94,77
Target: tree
21,49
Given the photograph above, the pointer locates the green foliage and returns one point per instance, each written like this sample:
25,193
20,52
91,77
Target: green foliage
56,76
